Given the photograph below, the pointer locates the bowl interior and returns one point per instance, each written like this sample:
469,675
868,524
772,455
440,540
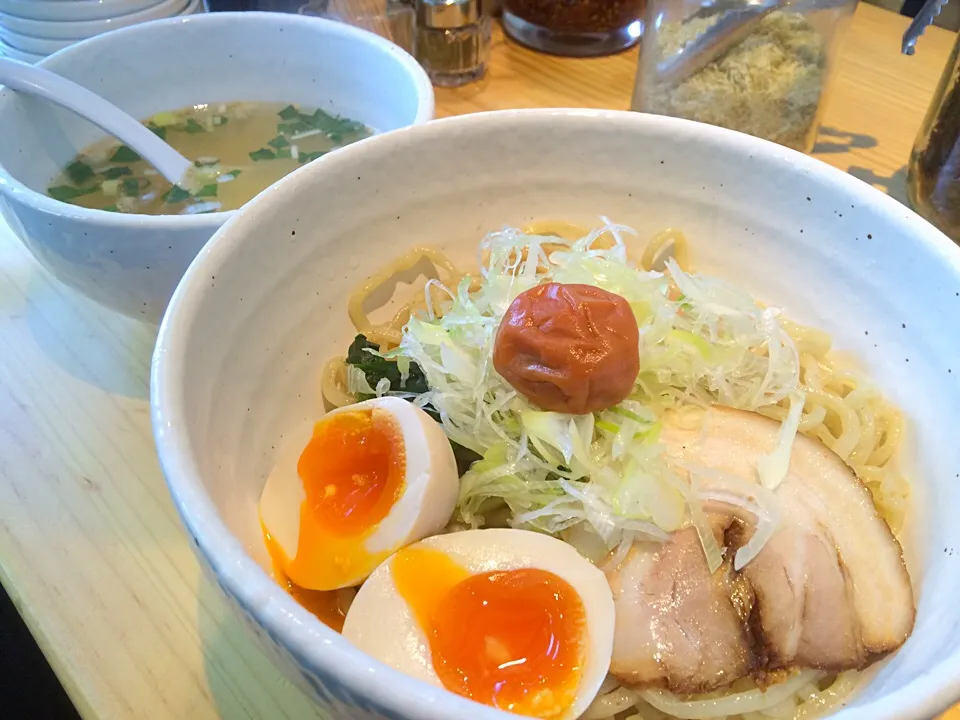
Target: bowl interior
236,373
173,63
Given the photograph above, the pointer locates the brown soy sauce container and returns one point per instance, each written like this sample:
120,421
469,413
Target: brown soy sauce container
933,172
577,28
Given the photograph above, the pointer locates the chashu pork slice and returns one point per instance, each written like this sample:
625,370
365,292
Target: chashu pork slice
829,590
677,625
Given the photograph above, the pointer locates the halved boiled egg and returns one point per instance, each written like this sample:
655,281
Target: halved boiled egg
374,477
509,618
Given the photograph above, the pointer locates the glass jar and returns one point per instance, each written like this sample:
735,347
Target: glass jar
766,75
933,173
579,28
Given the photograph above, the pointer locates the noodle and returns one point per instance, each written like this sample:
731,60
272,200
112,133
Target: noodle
841,409
389,332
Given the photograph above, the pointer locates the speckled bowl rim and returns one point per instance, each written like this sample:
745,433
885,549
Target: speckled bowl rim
262,20
296,629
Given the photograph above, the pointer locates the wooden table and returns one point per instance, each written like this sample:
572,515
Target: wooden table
91,550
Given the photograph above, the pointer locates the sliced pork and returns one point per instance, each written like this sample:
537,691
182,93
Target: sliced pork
829,590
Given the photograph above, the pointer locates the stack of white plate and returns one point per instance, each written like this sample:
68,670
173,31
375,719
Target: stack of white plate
32,29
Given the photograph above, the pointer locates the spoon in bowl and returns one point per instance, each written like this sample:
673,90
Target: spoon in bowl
44,84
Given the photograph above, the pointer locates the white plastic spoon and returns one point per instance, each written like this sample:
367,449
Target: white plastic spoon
42,83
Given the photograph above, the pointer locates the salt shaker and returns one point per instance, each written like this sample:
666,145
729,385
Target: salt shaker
451,40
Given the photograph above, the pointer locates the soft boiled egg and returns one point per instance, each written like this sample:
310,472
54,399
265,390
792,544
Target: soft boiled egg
509,618
374,477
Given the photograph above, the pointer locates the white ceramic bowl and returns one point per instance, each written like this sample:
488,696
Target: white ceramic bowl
133,262
11,52
67,10
263,306
76,30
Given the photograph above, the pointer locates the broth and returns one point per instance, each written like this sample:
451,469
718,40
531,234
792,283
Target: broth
238,149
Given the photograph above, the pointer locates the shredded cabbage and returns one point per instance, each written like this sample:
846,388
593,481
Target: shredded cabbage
702,341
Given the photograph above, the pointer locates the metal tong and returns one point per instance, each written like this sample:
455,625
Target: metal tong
923,20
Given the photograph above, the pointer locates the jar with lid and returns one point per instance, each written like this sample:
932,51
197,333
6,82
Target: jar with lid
747,66
580,28
451,40
933,172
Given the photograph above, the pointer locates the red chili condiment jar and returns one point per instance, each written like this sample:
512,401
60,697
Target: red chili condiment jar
579,28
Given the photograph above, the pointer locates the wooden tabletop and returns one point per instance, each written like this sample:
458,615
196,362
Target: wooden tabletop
91,550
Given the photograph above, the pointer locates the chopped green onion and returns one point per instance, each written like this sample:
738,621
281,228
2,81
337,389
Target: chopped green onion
289,113
279,142
66,193
263,154
79,172
283,153
164,119
176,194
304,158
131,186
194,127
608,426
115,172
112,208
123,154
207,191
160,132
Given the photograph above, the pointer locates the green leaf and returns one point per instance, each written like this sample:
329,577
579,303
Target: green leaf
123,154
66,193
160,132
130,187
263,154
194,127
279,142
116,172
112,208
79,172
175,195
207,191
289,113
376,368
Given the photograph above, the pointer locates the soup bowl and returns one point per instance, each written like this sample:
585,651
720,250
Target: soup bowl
132,263
235,370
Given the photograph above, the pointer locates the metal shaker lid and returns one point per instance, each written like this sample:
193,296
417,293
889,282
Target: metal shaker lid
447,14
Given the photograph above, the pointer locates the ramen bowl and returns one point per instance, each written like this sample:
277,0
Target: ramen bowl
263,306
132,263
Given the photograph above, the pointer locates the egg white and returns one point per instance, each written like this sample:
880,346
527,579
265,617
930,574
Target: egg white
426,503
382,624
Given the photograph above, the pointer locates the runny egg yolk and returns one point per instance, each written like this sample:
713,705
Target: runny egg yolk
326,605
353,472
513,639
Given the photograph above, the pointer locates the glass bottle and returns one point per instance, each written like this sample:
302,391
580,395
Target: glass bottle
933,173
579,28
741,66
451,40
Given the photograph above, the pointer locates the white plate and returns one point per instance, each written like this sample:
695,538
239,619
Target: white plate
67,10
15,54
45,29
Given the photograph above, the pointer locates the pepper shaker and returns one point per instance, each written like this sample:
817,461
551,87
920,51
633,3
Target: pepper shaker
451,40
